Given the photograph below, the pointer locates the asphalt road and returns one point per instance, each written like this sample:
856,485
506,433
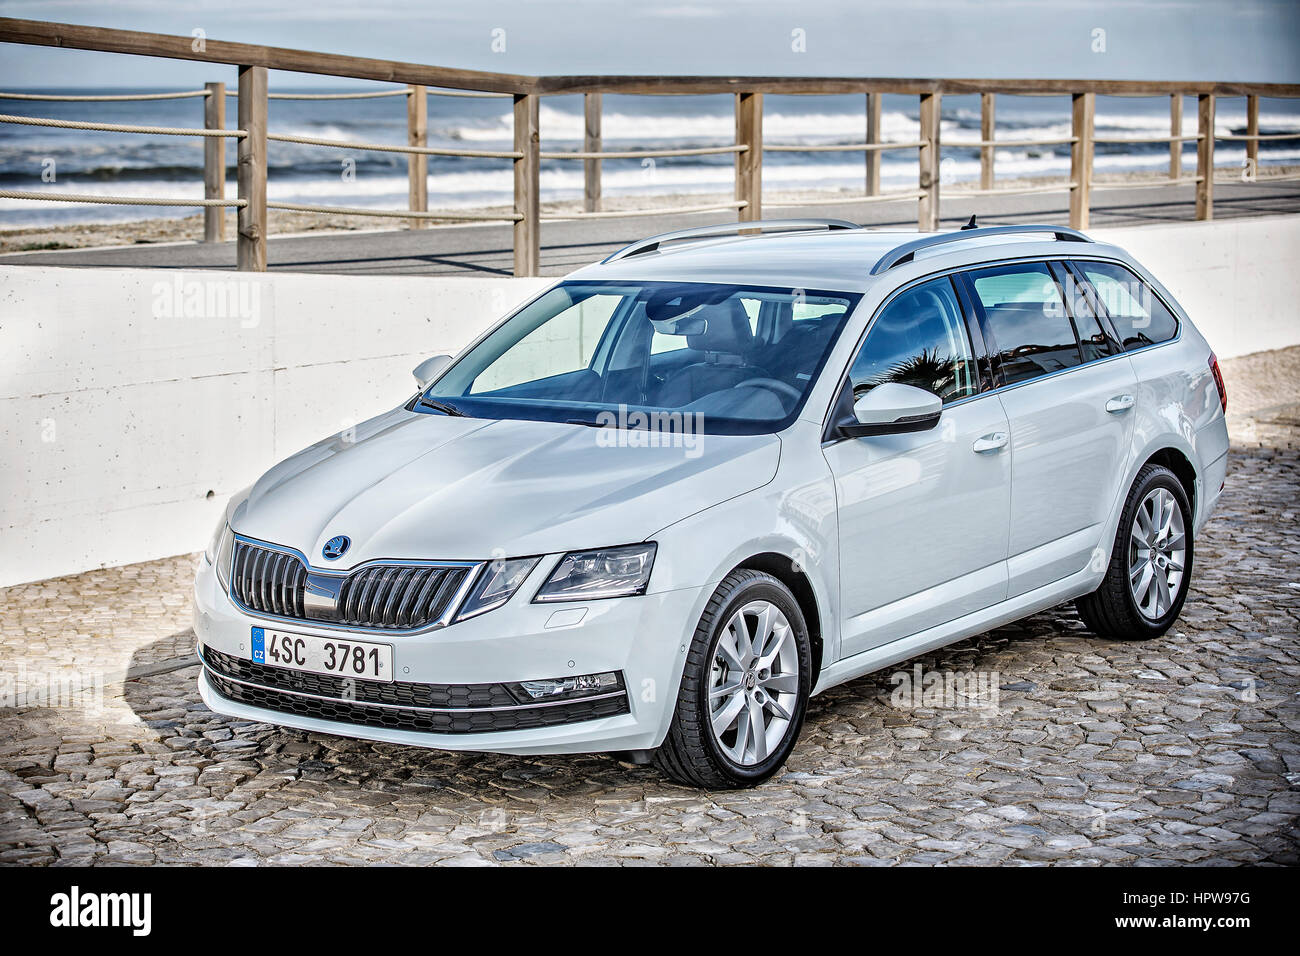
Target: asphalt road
486,249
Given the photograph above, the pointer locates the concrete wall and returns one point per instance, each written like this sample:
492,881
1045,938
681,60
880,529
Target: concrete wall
1238,279
133,403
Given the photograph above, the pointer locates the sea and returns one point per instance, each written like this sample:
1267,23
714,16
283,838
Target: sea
130,164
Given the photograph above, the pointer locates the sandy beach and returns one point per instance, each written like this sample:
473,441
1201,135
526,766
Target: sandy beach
286,222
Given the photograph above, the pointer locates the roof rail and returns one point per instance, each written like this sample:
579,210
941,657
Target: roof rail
907,251
729,228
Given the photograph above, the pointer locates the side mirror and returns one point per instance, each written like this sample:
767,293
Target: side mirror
428,370
892,409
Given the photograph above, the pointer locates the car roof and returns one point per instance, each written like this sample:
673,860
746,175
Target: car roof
835,260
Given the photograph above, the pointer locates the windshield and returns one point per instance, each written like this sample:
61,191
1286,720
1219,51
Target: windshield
741,359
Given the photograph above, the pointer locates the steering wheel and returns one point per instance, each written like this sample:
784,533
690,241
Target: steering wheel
772,385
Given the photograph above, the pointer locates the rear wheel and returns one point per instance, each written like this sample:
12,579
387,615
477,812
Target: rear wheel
1150,565
745,687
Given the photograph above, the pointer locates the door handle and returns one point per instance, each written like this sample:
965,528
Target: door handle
1120,403
995,441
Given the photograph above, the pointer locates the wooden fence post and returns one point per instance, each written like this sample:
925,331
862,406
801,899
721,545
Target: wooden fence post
1252,129
873,137
1083,106
527,166
417,164
1205,156
988,130
591,139
214,162
749,164
1176,129
251,176
927,208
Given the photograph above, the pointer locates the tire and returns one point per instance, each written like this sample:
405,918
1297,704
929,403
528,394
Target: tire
717,659
1133,613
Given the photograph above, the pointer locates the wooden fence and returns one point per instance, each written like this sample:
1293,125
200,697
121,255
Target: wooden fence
422,81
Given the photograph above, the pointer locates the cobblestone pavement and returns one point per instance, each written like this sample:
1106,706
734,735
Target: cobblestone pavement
1181,750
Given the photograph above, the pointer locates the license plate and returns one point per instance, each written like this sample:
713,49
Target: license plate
339,656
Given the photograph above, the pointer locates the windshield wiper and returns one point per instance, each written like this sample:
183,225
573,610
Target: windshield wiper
427,402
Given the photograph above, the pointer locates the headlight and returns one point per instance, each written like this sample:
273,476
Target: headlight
591,575
499,580
219,552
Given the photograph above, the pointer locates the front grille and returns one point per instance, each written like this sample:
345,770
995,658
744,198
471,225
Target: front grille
269,581
361,706
398,597
380,596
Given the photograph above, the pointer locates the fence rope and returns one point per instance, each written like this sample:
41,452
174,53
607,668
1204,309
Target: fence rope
393,148
396,214
846,200
115,98
842,147
116,200
406,91
629,213
649,153
120,128
1261,137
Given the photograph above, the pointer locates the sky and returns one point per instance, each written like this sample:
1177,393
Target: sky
1242,40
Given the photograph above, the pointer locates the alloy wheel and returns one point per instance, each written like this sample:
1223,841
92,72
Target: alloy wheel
1157,554
754,685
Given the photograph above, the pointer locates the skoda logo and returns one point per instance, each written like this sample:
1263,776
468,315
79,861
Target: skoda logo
336,547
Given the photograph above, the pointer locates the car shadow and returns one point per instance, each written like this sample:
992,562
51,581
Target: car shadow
165,698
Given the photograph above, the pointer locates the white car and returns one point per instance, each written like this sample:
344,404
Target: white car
681,491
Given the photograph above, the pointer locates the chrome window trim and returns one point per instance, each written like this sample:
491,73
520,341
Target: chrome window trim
474,569
208,668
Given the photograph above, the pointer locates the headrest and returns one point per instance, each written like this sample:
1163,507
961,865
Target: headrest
726,330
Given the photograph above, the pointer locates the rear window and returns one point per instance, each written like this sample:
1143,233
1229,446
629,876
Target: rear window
1025,316
1139,317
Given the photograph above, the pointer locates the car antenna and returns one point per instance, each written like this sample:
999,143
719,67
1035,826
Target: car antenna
969,225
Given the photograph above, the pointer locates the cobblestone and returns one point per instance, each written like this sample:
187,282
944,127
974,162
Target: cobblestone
1175,751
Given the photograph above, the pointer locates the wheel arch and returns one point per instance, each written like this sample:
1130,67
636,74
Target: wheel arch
1177,461
787,571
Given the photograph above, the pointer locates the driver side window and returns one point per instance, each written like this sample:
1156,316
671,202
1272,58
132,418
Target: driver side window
919,339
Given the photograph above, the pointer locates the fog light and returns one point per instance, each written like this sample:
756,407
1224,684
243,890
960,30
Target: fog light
585,685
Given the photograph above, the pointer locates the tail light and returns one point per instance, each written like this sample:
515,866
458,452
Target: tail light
1218,382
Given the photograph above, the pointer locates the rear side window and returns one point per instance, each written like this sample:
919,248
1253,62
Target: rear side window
1139,317
919,339
1025,317
1094,343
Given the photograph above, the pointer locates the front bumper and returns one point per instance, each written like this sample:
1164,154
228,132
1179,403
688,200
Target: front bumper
642,638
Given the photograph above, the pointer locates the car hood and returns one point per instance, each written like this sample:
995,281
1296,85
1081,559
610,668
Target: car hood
411,485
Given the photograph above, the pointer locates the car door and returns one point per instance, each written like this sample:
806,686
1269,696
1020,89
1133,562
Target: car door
923,515
1068,392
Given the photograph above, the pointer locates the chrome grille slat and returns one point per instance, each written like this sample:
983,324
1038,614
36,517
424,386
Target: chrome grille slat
450,586
419,581
400,581
384,597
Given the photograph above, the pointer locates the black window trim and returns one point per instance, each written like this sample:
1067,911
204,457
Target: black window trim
1061,271
991,338
1098,307
838,402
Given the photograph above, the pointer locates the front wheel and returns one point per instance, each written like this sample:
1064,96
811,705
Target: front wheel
1151,564
745,687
